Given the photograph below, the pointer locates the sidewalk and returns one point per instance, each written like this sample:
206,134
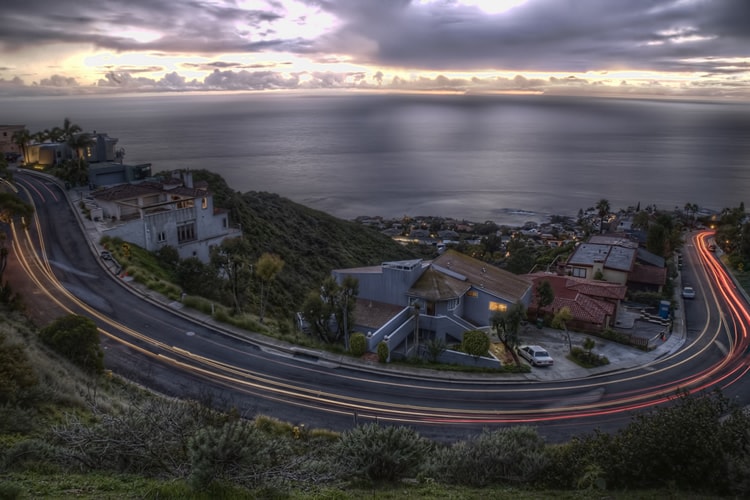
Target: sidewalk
620,357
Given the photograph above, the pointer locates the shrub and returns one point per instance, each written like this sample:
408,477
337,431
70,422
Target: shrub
76,338
16,371
358,344
513,455
376,453
234,449
475,343
383,352
588,359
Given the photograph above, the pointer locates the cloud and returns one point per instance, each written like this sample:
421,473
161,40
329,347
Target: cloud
387,39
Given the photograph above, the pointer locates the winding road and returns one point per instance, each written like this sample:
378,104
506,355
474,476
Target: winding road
165,350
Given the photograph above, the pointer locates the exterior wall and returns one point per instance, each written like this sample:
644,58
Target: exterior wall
615,276
389,286
103,148
46,153
477,308
6,139
132,232
160,227
117,173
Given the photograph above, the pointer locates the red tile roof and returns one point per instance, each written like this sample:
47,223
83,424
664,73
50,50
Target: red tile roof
588,301
649,275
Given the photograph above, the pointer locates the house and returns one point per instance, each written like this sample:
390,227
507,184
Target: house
617,260
156,214
7,144
102,149
402,301
111,173
592,304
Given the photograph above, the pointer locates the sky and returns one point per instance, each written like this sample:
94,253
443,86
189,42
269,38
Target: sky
657,48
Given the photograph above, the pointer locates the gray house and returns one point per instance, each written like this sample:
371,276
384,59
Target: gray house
156,214
404,302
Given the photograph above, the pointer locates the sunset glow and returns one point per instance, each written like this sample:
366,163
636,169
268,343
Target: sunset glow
588,47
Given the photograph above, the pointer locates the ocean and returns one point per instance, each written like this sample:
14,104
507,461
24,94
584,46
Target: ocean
502,158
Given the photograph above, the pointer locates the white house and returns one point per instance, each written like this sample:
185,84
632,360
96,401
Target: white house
156,214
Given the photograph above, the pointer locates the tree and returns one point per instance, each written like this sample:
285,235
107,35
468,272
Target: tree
545,296
11,206
69,129
319,308
267,267
77,170
16,371
475,343
230,259
641,220
22,138
561,321
602,207
345,301
522,256
507,323
76,338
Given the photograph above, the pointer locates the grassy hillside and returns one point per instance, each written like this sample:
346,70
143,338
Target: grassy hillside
310,242
68,434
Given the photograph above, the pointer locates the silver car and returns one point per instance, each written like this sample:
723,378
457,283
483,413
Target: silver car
535,355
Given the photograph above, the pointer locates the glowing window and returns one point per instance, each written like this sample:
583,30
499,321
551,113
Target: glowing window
498,306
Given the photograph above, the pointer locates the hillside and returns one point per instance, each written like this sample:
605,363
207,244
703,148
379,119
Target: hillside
310,242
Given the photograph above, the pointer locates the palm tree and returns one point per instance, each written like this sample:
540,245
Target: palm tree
79,143
22,138
603,207
39,137
55,135
69,129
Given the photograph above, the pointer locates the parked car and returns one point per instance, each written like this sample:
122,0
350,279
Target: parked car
535,355
688,292
106,255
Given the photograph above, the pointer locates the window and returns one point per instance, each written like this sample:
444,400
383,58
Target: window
224,222
578,272
453,304
186,232
498,306
204,203
161,236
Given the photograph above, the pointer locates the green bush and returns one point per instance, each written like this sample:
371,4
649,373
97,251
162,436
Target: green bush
358,344
475,343
76,338
513,455
16,371
236,448
383,352
588,359
375,453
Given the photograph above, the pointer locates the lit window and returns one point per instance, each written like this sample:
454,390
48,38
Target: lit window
204,203
498,306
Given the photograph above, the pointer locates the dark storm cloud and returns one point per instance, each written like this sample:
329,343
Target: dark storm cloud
542,35
187,27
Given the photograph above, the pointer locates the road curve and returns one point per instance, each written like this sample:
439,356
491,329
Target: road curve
163,348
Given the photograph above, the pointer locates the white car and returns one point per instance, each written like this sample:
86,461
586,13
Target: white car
688,292
535,355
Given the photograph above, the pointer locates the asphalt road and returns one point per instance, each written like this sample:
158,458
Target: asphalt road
166,351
